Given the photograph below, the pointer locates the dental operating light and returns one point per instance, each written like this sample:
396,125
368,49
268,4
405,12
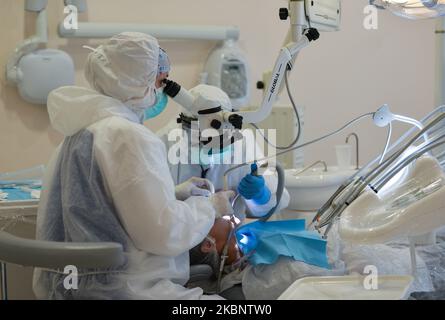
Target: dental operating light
412,9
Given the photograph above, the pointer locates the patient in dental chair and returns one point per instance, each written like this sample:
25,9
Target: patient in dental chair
269,281
220,239
210,250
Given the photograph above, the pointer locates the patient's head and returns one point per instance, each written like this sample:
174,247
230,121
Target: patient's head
210,249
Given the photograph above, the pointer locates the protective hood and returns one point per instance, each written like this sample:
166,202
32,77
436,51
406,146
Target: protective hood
125,68
72,109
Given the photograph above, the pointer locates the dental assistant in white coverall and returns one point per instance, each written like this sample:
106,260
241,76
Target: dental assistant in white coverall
109,181
207,97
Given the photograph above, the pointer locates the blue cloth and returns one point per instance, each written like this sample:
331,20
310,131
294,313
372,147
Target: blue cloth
16,194
25,182
266,241
253,187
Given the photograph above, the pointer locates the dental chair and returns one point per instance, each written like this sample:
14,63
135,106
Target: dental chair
201,275
55,255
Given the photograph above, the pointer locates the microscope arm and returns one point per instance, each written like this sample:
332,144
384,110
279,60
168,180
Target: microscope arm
284,58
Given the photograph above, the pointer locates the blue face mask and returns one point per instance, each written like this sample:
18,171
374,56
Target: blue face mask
220,152
156,110
208,158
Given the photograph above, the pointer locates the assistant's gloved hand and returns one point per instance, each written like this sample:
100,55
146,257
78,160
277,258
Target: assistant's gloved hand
253,187
194,187
222,203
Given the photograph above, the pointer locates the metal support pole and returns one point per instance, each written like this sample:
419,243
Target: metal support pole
412,251
440,62
4,288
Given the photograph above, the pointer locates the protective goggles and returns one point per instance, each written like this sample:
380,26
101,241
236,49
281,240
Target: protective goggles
164,62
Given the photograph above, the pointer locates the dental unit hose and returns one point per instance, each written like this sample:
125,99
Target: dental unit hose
279,194
279,168
374,175
295,147
297,116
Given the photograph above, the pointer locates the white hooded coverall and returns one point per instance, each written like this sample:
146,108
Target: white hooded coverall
109,181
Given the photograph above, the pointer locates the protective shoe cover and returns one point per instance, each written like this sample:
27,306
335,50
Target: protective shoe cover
109,181
125,68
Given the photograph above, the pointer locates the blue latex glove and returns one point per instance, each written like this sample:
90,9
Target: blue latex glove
247,241
253,187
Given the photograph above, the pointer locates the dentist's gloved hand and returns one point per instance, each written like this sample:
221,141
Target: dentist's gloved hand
253,187
222,203
194,187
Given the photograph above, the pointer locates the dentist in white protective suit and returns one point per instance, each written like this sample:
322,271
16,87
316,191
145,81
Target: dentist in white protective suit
259,192
109,181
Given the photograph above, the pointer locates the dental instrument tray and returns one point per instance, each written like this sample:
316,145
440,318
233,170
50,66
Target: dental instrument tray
354,287
21,186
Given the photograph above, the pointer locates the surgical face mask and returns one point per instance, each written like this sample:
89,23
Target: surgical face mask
207,158
159,107
218,152
217,156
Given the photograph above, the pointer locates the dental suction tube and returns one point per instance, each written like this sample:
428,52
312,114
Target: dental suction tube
329,221
280,171
298,146
359,174
375,173
429,146
327,209
331,211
